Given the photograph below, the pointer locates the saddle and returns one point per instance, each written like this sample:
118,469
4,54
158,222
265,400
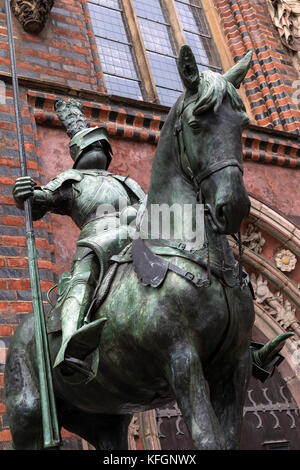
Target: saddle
149,265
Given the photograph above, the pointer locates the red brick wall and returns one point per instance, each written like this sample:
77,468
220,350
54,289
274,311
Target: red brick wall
247,25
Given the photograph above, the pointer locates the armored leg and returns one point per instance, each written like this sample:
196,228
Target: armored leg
79,340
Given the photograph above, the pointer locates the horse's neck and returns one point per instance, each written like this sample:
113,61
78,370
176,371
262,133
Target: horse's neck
169,188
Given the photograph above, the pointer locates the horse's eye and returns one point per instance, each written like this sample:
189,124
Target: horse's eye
194,125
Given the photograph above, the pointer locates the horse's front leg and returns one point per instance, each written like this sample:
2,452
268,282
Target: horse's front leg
228,395
186,378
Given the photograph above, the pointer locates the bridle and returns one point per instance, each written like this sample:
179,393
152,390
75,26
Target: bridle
185,162
197,177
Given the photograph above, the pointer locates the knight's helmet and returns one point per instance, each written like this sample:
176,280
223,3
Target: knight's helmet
83,137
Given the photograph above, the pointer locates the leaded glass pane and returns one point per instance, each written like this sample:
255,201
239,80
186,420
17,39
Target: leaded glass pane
122,87
116,58
167,97
197,34
165,71
107,3
201,47
150,9
192,19
156,37
108,23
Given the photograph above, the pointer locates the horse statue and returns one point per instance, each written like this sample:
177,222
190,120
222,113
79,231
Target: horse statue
177,321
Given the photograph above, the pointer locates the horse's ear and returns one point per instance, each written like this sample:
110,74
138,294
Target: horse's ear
239,71
188,69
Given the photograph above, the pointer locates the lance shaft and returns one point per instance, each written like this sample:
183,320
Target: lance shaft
49,415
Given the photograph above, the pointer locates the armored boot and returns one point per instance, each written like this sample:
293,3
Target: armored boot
79,340
265,358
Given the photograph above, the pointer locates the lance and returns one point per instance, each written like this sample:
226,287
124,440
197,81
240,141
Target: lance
51,434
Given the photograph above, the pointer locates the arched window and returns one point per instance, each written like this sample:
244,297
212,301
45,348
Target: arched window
138,43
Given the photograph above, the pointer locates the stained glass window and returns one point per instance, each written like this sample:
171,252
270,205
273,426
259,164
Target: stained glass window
116,52
197,34
161,48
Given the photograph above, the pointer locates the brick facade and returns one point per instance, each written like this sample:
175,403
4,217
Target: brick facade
269,85
63,61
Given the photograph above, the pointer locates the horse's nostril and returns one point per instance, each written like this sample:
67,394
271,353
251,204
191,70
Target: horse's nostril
220,213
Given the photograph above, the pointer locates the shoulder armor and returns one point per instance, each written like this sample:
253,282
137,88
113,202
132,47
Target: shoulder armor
132,185
59,180
95,172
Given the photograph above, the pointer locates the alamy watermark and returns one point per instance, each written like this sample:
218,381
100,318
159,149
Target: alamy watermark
182,222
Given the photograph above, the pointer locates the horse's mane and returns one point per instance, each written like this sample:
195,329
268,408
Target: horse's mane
212,90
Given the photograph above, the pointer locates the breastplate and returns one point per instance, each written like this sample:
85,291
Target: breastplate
96,195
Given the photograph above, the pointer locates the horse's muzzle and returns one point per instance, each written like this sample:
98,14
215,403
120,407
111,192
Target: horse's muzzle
229,216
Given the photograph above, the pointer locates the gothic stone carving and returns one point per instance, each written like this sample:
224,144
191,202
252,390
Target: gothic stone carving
286,17
32,14
133,432
253,239
285,260
274,304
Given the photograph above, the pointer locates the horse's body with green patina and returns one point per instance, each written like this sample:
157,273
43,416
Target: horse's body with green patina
168,343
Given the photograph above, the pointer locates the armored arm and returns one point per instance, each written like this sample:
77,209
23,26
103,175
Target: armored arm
54,197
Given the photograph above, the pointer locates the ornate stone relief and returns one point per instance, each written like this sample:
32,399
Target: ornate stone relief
280,309
286,17
32,14
253,239
285,260
133,432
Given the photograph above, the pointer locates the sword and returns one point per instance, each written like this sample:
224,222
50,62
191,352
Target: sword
51,434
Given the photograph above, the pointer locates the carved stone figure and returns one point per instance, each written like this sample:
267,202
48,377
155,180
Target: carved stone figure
253,239
32,14
133,432
279,308
285,15
153,320
286,18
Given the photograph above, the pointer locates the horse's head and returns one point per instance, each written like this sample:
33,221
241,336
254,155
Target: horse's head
211,117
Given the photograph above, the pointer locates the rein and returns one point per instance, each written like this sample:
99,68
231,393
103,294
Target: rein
197,179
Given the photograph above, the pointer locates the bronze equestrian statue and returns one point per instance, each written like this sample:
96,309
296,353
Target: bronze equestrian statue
146,321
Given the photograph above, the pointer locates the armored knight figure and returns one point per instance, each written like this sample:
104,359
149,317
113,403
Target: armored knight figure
102,205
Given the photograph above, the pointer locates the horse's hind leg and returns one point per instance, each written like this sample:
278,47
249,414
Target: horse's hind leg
22,397
227,397
187,380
